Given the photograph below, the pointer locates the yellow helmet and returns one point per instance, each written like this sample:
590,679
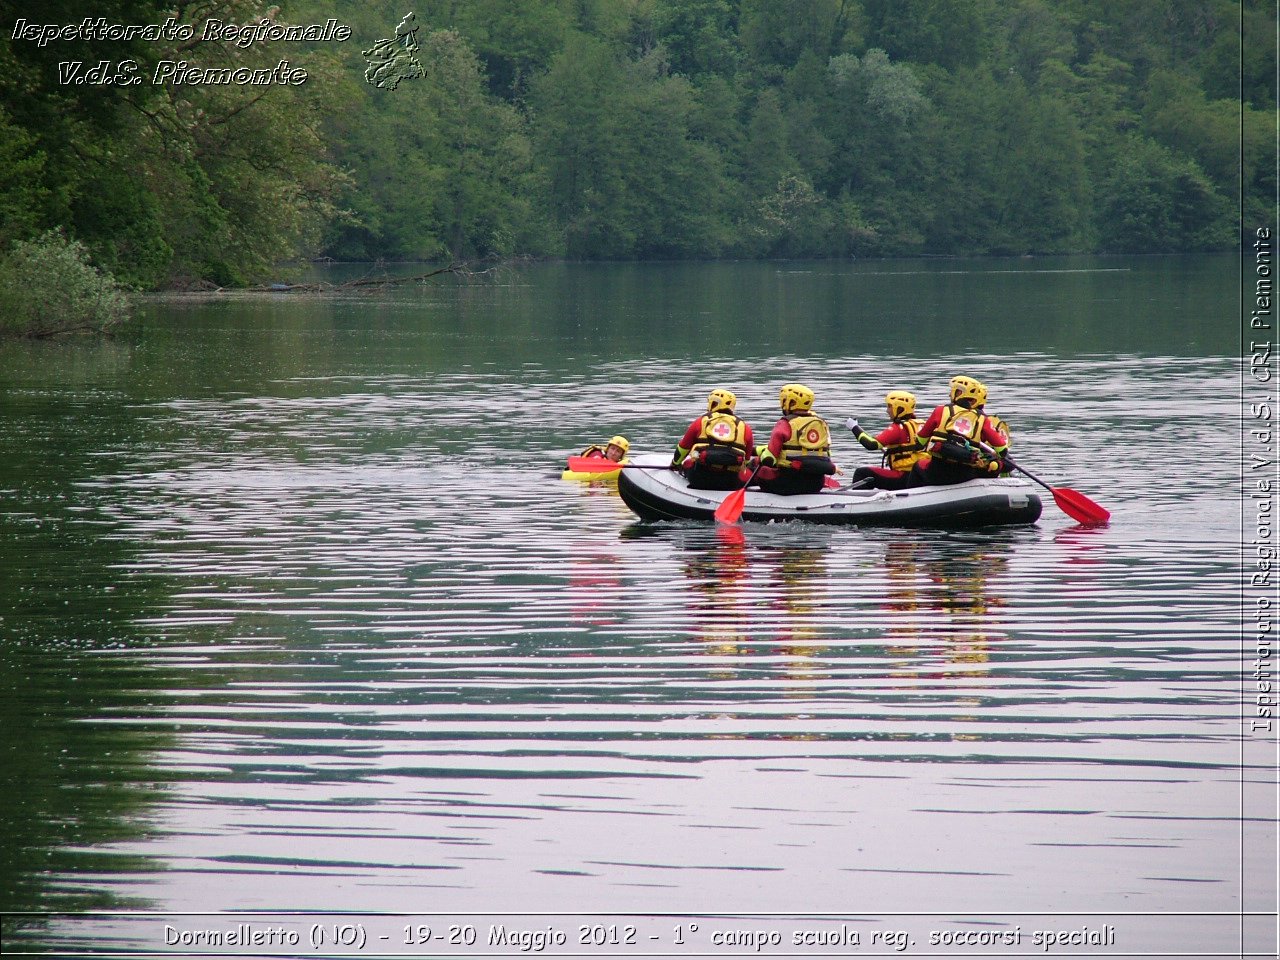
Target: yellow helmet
621,443
900,404
721,400
968,392
795,398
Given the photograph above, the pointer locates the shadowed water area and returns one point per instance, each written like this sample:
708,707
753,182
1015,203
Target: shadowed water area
298,615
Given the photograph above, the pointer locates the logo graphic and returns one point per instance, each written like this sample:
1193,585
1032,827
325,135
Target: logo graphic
393,60
721,431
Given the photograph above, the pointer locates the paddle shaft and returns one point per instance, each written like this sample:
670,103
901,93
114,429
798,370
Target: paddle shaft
1017,466
1022,469
647,466
990,452
1074,504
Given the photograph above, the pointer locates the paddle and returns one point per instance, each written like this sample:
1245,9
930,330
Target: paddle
592,465
1075,505
731,509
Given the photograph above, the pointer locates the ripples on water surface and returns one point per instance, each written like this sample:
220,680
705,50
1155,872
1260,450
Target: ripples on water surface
348,643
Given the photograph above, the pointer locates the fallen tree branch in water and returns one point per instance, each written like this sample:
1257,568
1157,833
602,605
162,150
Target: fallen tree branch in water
51,332
467,269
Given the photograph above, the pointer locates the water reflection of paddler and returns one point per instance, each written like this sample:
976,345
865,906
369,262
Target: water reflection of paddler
948,590
795,577
968,594
717,576
902,604
901,561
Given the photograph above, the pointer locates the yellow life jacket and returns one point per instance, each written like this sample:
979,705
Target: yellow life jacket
904,456
958,435
722,441
810,437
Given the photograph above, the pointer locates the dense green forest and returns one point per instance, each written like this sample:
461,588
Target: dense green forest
645,129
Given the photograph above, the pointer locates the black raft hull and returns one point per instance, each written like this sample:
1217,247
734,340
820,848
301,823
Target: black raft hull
655,494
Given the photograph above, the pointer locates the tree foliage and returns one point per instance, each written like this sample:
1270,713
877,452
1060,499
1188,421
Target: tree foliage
650,128
48,287
160,182
657,128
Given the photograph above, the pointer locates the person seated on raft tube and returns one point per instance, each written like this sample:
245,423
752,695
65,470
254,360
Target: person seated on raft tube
1001,428
715,446
798,456
954,431
615,451
899,444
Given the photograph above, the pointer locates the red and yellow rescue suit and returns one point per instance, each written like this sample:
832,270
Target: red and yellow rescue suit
713,450
1001,428
953,434
902,449
800,445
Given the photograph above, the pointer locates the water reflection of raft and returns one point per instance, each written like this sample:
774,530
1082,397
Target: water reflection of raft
656,494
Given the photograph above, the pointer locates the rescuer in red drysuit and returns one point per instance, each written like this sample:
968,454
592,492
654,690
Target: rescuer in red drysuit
899,443
715,446
956,433
798,456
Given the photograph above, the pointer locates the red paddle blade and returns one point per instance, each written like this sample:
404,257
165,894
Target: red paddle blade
593,465
731,509
1079,507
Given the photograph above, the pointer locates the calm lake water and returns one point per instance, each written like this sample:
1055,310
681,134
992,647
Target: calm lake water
298,616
